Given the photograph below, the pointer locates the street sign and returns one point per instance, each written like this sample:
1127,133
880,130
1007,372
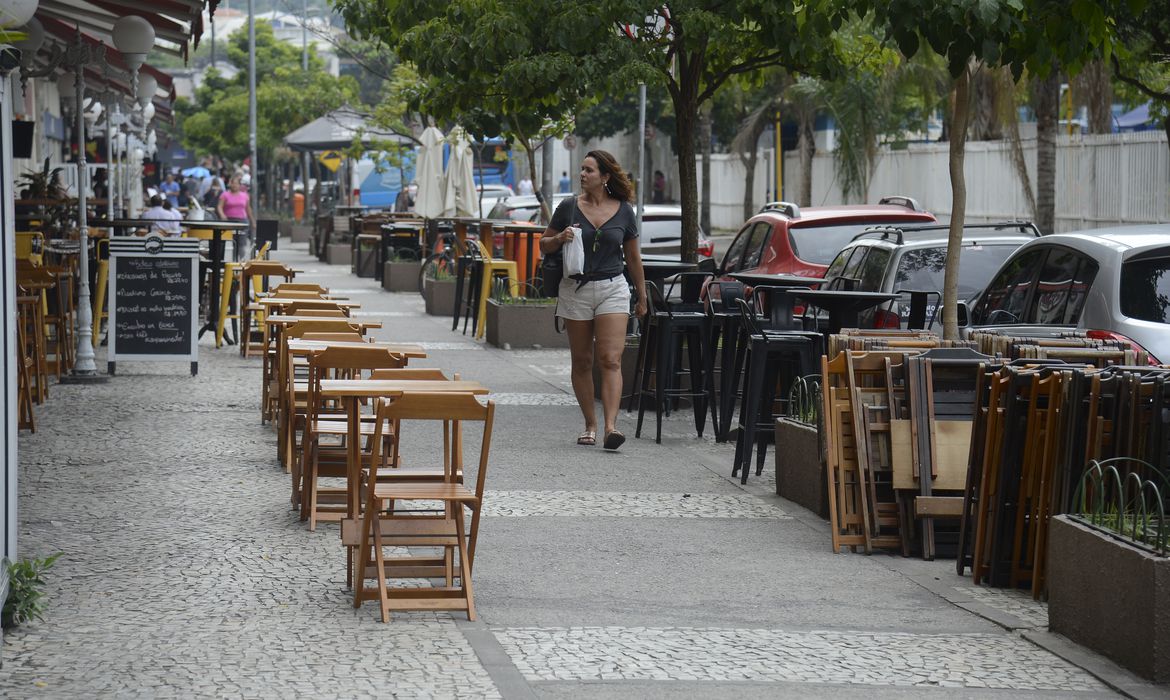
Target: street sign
331,160
570,142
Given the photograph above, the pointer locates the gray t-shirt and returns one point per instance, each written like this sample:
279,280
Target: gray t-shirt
603,249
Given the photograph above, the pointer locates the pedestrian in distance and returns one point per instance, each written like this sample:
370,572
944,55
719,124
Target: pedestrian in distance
525,187
564,185
170,189
658,194
164,219
236,205
595,305
211,197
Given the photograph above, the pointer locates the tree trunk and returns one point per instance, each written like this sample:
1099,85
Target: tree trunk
1047,123
749,160
545,210
686,109
705,150
547,183
1094,85
959,116
807,146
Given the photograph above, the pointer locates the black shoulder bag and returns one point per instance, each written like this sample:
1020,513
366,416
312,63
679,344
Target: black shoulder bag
552,266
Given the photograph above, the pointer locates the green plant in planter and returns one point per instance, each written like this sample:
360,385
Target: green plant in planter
502,294
25,599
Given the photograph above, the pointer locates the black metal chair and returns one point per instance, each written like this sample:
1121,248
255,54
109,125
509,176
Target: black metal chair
667,331
771,358
723,320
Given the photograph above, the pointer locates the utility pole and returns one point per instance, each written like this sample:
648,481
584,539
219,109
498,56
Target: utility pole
305,67
252,110
641,153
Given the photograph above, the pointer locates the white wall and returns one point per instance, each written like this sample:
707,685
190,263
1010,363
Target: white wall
8,460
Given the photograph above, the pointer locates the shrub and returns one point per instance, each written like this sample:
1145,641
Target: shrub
25,599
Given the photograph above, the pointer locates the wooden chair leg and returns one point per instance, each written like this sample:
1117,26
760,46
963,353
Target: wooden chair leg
464,564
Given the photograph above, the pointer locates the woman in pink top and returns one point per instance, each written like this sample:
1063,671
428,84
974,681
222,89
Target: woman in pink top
234,205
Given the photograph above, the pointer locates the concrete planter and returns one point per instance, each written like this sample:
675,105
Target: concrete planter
523,325
629,364
339,254
301,233
400,276
1110,596
366,260
800,466
439,297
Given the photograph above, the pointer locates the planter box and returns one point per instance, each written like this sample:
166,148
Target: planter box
301,233
801,476
285,227
523,326
366,261
439,297
400,276
629,364
1110,596
339,254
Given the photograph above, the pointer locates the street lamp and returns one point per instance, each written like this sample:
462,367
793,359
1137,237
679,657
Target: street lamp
14,13
134,37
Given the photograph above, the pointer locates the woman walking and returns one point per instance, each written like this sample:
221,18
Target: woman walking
596,304
235,205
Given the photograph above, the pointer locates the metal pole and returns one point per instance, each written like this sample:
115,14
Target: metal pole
304,35
779,161
211,19
641,152
85,367
109,160
252,113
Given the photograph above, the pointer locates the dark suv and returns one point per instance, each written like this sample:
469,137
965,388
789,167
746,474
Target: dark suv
785,239
912,258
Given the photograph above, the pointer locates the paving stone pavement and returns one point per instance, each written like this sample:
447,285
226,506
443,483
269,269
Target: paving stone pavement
643,574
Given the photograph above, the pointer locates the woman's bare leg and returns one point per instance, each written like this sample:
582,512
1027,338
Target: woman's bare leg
611,340
581,348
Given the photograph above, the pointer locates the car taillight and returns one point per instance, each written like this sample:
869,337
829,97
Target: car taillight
706,249
884,318
1110,335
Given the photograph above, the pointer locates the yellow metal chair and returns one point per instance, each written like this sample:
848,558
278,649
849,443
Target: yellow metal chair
231,282
99,291
29,245
491,269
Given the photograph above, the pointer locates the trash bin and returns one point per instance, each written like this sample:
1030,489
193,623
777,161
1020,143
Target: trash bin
365,263
523,248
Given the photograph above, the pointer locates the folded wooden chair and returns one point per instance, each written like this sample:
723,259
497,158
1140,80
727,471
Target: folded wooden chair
410,529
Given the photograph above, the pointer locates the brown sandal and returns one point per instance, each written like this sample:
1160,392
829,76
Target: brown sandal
587,438
614,440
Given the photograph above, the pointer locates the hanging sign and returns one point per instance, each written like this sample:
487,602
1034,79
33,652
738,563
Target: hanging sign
331,160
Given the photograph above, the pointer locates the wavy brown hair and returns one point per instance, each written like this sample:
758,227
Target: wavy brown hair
619,186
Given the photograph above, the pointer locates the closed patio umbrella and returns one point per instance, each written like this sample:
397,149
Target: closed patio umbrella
459,195
429,173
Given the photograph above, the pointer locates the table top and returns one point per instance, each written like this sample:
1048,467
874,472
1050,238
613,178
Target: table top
843,299
280,301
339,388
404,349
760,279
186,223
285,320
656,267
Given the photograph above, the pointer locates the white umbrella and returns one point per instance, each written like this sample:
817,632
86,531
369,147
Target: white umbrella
459,197
429,173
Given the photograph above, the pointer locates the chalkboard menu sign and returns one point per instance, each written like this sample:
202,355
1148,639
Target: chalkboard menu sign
154,300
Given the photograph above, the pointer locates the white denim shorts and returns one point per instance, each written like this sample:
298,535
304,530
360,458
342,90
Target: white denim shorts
593,299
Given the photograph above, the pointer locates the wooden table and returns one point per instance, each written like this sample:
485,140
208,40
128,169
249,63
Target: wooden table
351,392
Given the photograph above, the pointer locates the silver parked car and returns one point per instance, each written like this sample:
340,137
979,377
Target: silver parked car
1111,283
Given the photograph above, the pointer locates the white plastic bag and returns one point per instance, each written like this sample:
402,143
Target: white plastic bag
574,252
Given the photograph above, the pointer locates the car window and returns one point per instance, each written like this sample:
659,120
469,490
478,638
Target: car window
1006,297
734,253
1145,289
500,211
755,246
661,230
922,269
873,270
854,263
1062,287
819,244
838,264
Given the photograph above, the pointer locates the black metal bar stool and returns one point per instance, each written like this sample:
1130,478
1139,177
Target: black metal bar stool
771,358
723,338
665,334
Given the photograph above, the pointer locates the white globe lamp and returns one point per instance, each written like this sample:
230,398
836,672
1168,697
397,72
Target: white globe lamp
147,86
33,40
14,13
133,37
147,113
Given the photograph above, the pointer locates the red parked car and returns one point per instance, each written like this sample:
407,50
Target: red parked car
785,239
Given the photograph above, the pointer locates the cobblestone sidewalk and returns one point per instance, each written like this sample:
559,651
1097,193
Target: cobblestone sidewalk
184,573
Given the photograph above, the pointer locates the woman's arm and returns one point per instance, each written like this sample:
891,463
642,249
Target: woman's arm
551,240
633,251
248,208
219,208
